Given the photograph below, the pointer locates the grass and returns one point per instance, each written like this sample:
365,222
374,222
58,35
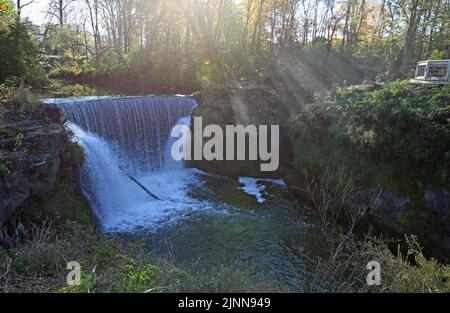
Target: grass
60,229
109,264
67,232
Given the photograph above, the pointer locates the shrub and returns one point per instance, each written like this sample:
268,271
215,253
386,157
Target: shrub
386,135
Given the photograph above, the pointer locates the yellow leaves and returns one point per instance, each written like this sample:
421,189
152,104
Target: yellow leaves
6,7
7,12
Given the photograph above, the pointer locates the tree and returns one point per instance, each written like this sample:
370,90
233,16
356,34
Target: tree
233,37
18,51
60,9
413,9
93,10
20,5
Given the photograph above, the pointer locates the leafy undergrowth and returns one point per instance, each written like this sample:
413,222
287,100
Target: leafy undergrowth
395,135
109,264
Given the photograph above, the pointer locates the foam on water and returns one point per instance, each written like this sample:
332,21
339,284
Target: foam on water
120,204
256,187
131,136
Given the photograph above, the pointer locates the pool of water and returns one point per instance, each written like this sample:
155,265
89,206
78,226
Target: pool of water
211,221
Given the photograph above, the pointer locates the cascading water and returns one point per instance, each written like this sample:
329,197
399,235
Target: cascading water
136,128
123,136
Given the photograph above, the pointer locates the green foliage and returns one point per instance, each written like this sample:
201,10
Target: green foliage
7,13
437,55
64,41
18,52
427,276
147,278
107,264
110,62
386,135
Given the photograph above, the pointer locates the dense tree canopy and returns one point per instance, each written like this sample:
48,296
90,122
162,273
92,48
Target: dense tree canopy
218,39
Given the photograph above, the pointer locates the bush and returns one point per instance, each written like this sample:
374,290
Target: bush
386,135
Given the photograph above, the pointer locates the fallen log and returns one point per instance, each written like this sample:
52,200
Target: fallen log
151,194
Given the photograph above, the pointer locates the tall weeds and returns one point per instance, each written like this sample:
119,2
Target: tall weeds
340,206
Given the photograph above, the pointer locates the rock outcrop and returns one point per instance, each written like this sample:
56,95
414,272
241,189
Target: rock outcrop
424,215
33,144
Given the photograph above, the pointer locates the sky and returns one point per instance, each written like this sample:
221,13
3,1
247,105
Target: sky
36,11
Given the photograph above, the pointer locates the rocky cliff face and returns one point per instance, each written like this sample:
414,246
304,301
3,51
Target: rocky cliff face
33,144
236,104
427,216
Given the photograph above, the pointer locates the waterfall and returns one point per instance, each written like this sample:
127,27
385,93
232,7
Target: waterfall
124,136
136,128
